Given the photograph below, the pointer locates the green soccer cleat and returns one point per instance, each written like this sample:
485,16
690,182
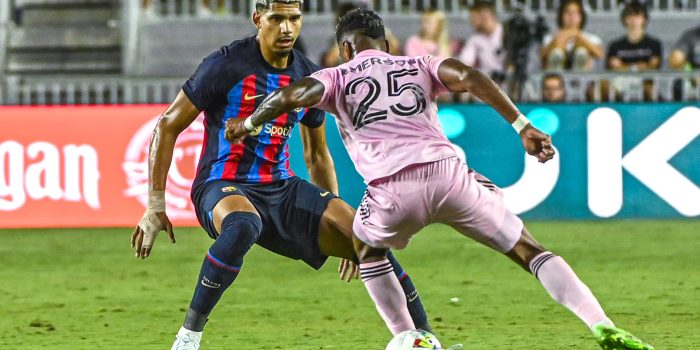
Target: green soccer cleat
613,338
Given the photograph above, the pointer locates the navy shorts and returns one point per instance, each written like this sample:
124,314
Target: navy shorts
291,212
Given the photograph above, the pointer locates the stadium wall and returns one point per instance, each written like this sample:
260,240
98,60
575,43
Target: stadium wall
615,161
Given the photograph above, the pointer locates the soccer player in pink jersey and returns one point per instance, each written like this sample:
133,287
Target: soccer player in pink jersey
387,116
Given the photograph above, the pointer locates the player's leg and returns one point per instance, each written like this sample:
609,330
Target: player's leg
335,238
562,284
476,209
236,225
378,277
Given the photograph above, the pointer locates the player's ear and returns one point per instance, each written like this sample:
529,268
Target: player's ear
257,18
348,51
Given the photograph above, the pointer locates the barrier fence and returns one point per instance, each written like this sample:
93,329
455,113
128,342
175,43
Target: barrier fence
87,165
580,87
200,8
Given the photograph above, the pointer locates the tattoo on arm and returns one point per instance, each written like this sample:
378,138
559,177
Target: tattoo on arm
306,92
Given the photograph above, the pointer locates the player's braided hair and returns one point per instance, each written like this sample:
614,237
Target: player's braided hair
360,21
265,4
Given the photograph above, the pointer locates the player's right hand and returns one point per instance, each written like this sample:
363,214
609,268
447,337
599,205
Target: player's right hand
235,131
146,231
348,270
537,143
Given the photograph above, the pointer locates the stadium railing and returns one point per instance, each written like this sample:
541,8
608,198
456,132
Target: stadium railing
624,87
196,8
580,87
5,9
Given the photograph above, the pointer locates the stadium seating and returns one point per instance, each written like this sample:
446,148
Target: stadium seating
98,51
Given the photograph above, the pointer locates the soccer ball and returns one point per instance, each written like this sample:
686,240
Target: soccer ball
414,339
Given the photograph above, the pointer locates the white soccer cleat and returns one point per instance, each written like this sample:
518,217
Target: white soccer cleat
187,340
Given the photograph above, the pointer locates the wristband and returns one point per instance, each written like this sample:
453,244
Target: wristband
520,123
248,124
156,201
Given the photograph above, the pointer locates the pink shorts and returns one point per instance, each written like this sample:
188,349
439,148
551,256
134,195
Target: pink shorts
395,208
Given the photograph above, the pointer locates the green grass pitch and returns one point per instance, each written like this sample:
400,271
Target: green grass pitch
83,289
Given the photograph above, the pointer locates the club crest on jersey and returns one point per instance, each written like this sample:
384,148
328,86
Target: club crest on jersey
228,189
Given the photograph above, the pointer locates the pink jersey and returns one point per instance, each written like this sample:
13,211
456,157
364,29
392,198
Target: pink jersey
386,111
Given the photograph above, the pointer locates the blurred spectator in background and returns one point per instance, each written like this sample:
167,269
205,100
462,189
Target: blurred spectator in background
685,55
636,50
686,51
571,47
553,88
331,56
433,38
484,49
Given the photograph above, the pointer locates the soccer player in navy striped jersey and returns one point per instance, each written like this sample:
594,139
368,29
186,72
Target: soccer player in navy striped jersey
246,193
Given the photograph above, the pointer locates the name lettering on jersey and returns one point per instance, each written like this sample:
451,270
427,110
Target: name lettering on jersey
374,61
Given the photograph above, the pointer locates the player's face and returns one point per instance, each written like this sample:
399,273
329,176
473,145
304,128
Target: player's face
279,27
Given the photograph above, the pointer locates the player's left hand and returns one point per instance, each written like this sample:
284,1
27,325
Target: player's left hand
147,230
348,270
235,131
537,143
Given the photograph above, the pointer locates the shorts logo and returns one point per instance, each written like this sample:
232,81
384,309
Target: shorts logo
364,209
298,110
228,189
324,194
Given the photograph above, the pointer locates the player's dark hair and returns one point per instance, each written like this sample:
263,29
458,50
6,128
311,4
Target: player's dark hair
564,5
345,7
360,21
262,5
483,5
634,7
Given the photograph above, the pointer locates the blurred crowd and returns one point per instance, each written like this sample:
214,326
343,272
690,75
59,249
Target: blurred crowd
501,50
511,50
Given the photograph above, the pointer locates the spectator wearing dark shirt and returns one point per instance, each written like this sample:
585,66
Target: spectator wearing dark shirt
686,56
686,52
635,51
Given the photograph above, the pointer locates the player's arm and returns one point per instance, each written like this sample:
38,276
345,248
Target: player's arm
458,77
319,161
179,115
306,92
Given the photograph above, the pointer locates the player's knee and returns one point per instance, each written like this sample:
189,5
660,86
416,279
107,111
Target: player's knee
367,254
526,249
239,231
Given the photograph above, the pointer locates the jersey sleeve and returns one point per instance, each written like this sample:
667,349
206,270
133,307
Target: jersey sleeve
433,63
202,88
327,78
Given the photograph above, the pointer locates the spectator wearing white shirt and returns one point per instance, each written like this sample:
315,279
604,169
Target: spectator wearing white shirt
484,49
570,47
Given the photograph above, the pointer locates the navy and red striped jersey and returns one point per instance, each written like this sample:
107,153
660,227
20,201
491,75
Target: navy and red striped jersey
231,83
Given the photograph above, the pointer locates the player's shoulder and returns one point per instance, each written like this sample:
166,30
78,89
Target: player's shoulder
228,59
235,51
304,64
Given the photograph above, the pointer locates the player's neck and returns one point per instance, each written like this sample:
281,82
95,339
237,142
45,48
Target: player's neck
275,59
